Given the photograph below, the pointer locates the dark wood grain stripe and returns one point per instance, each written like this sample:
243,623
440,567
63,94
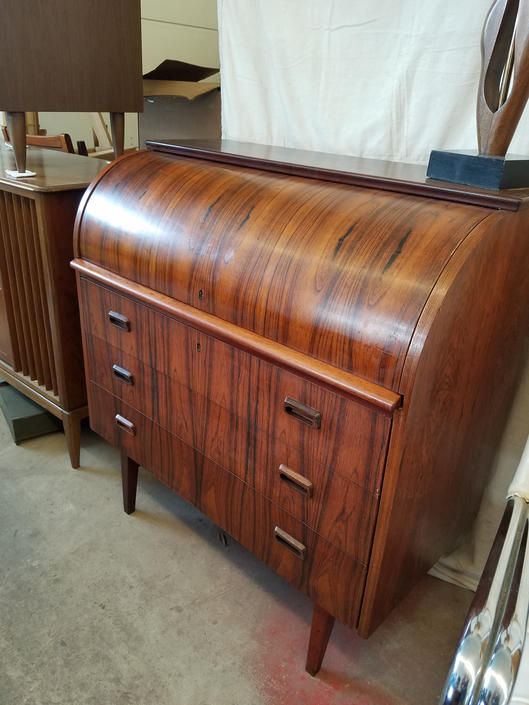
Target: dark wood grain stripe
310,368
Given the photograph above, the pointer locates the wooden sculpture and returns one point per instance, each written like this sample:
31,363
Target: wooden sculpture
502,95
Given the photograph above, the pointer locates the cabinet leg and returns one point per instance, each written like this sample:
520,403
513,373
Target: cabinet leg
320,631
117,128
129,479
16,126
72,431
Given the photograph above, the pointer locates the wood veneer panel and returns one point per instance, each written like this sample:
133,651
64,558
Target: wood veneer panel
23,221
55,171
324,375
352,439
41,304
339,168
19,283
323,269
40,322
338,509
8,333
84,56
33,293
327,575
55,214
10,290
6,348
459,382
268,277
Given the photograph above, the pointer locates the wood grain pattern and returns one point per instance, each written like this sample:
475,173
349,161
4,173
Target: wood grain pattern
268,253
330,577
459,389
41,317
17,277
339,168
11,321
175,358
339,510
322,624
325,375
55,215
83,57
6,347
504,55
206,256
55,171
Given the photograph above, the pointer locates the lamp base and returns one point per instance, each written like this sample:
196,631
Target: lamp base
478,170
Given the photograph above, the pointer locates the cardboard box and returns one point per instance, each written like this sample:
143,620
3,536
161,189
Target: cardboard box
179,103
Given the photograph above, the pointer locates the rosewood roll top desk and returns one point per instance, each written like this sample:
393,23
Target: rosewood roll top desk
318,352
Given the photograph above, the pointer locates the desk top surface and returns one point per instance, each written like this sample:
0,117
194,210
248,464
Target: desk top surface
55,171
355,171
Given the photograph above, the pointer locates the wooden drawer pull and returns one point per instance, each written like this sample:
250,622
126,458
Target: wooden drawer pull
123,374
125,425
295,480
119,320
301,411
290,542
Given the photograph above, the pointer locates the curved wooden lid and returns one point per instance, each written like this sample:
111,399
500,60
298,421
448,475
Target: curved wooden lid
339,273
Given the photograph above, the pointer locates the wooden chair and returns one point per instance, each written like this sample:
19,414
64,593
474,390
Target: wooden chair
62,142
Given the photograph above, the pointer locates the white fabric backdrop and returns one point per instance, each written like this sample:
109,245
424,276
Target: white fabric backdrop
380,79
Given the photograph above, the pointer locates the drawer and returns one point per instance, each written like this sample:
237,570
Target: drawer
330,577
351,438
327,502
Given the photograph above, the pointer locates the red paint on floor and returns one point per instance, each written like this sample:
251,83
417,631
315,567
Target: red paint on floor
279,668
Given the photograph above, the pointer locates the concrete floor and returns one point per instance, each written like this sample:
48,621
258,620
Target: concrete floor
101,608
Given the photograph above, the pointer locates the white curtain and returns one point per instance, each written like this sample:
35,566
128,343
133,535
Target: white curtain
388,79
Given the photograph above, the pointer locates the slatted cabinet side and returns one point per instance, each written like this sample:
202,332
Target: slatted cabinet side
6,347
27,314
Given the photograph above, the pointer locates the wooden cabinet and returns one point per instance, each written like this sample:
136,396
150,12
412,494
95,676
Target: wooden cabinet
318,356
40,338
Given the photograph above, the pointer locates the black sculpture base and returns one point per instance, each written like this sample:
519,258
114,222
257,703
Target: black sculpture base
476,170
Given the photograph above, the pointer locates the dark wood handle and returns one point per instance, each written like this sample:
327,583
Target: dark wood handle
504,81
123,374
295,480
125,425
290,542
301,411
119,320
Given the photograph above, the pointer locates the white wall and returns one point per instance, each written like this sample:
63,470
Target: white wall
171,29
179,29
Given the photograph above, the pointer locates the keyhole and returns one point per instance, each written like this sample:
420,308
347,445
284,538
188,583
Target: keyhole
198,347
200,294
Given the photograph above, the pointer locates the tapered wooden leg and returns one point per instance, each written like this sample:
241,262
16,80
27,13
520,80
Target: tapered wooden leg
320,631
16,127
72,430
117,128
129,479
